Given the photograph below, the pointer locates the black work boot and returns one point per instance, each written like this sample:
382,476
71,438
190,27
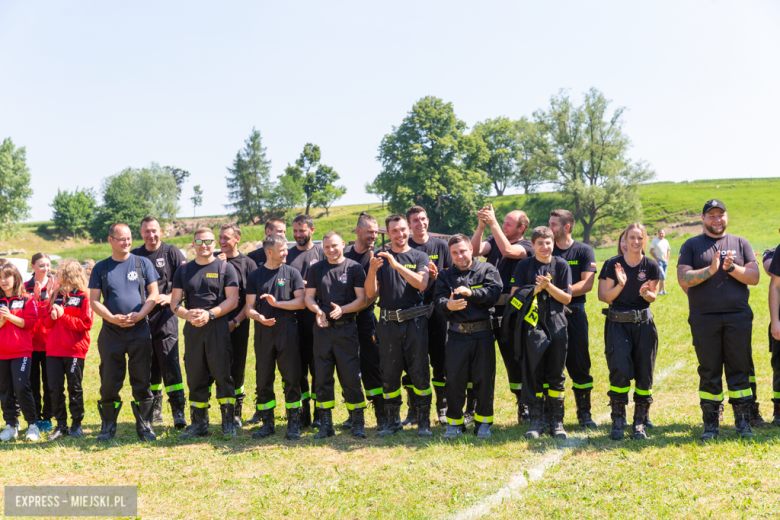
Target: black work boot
618,419
640,420
315,417
293,429
556,407
178,405
483,431
392,423
59,432
305,413
522,411
411,413
535,412
347,425
228,411
468,413
379,412
453,431
756,421
199,423
143,412
359,423
441,405
268,428
108,415
582,400
776,418
238,410
711,417
742,419
256,418
424,416
326,424
75,430
157,418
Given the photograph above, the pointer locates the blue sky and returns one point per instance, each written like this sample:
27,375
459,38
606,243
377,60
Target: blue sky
93,87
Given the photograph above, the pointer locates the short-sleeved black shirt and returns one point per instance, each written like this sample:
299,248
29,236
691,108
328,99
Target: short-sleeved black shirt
303,260
769,254
165,264
581,259
506,266
122,295
335,283
394,291
363,259
244,267
202,283
439,254
561,280
721,293
259,256
281,283
629,298
603,272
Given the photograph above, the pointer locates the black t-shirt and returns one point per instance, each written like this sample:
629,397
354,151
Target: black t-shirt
394,291
363,259
243,266
769,254
281,283
259,256
122,294
529,268
335,283
439,254
581,260
629,298
721,293
303,260
506,266
165,264
202,283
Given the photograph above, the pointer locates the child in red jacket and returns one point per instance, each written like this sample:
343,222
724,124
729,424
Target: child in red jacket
18,315
39,286
68,316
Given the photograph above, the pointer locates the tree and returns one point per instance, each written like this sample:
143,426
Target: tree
73,211
15,188
178,174
288,194
533,169
502,140
312,175
248,181
372,189
197,198
587,150
327,196
428,160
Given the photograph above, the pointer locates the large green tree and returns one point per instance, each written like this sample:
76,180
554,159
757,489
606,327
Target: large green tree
178,174
249,181
313,176
502,140
73,211
15,190
287,195
587,151
428,161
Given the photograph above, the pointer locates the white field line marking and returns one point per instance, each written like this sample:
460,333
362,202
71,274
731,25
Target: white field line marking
548,459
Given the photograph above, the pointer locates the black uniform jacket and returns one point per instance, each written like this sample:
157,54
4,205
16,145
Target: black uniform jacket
485,283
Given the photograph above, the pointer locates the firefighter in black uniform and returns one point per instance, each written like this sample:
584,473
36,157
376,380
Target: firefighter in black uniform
128,287
582,262
335,293
209,288
439,260
716,269
273,293
772,268
229,238
274,226
504,249
465,294
165,326
630,336
399,277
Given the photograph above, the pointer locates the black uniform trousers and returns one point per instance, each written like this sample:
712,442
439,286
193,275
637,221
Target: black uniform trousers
306,323
514,368
370,371
403,343
470,358
631,349
437,350
165,359
278,345
774,349
38,379
71,369
208,354
239,339
549,374
16,391
114,343
337,346
723,341
578,352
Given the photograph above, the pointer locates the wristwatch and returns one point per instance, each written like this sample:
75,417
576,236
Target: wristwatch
731,269
211,315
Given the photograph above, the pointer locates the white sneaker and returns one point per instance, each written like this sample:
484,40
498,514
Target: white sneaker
10,432
33,433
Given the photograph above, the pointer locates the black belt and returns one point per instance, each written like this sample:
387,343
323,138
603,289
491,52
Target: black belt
342,321
404,314
627,316
572,309
472,326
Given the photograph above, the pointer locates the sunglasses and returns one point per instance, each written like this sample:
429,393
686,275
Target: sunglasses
207,242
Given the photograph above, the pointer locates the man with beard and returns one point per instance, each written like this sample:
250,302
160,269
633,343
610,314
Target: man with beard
717,268
274,226
439,260
302,256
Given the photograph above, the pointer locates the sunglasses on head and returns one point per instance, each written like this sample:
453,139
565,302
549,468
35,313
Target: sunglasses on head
207,242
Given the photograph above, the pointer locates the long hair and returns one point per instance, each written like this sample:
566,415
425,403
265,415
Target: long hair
640,227
70,277
9,269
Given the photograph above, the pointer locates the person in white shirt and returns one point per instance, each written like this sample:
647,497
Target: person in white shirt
661,250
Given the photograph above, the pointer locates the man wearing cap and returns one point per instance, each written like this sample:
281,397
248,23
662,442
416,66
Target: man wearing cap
716,268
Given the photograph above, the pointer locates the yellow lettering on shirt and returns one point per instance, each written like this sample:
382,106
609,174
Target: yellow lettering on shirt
212,275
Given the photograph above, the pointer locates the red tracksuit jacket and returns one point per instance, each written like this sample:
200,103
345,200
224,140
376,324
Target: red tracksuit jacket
68,335
39,332
16,342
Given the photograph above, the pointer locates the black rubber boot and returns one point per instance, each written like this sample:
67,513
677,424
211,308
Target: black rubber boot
424,416
379,412
618,420
392,420
315,418
441,405
75,430
453,431
228,411
742,419
305,413
143,412
256,418
293,428
483,431
556,407
178,405
640,418
711,418
347,425
522,411
326,424
59,432
546,417
776,418
239,408
536,426
199,423
756,421
157,418
468,413
108,415
268,428
359,423
582,400
411,413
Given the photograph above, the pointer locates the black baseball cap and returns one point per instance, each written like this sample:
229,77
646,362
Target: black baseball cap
713,203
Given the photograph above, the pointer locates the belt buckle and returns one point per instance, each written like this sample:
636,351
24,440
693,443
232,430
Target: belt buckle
466,328
383,314
398,317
